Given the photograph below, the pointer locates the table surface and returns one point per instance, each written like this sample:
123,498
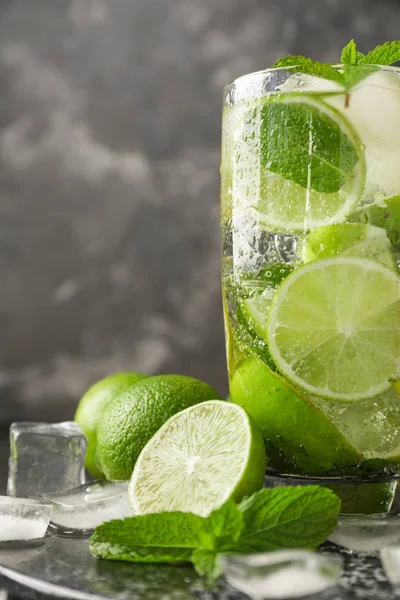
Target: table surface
62,567
41,566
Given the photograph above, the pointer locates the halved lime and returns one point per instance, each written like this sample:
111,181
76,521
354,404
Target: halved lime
298,162
352,239
334,328
299,437
199,459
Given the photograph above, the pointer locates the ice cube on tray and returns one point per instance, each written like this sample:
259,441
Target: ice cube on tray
23,518
281,574
366,533
45,458
390,558
83,508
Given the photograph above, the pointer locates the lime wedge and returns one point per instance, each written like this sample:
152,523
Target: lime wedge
199,459
310,169
298,435
334,328
353,239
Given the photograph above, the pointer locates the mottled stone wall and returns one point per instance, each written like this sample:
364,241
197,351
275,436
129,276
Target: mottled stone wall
109,152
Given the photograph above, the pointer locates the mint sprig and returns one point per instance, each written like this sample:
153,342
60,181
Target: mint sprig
300,517
385,54
350,54
310,67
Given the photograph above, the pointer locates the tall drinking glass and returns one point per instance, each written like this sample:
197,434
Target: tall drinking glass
310,210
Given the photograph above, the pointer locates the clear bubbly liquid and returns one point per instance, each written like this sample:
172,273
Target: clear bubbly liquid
267,219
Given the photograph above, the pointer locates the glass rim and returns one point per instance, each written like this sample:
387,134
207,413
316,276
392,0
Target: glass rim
240,85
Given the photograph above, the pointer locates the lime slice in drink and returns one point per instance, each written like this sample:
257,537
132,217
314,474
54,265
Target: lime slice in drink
299,437
334,328
256,311
353,239
199,459
310,167
260,291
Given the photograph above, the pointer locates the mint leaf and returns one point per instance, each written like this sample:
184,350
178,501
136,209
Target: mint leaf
386,54
310,67
128,552
297,517
386,216
170,529
270,519
346,77
350,54
304,145
225,525
167,537
206,563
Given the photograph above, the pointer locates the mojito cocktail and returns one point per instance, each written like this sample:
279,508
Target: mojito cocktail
311,287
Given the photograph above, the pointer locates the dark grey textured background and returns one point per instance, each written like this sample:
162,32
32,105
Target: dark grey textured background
109,148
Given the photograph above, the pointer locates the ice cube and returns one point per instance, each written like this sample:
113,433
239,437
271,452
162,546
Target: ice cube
23,518
373,111
89,505
45,458
367,533
302,82
390,557
282,574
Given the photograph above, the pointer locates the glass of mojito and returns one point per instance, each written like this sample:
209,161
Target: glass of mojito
310,212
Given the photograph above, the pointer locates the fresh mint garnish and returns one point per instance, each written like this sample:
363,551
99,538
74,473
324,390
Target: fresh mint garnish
310,67
302,143
350,54
206,563
173,529
225,526
274,518
301,517
386,54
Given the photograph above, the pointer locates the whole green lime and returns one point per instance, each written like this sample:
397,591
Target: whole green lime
128,423
91,407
